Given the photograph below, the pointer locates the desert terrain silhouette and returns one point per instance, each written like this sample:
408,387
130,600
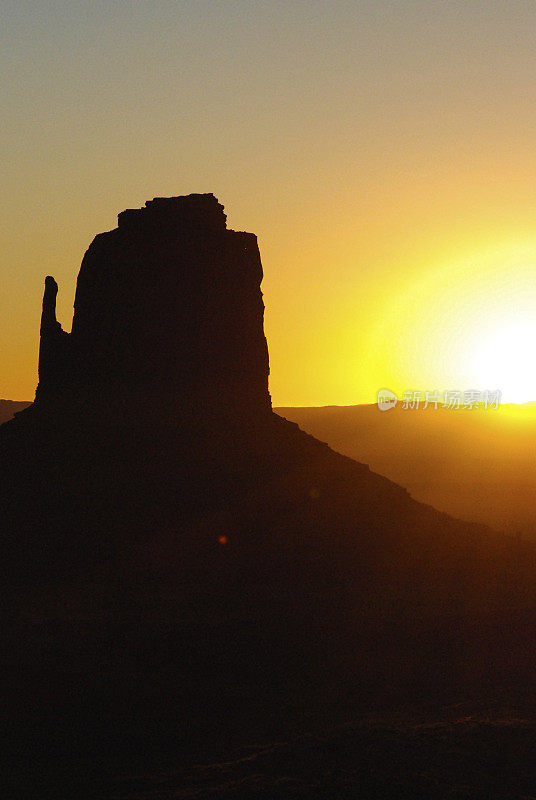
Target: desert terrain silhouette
191,579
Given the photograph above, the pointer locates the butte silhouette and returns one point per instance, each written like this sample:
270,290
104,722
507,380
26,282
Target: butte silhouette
176,555
151,450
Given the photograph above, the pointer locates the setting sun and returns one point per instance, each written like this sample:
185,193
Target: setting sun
460,322
505,360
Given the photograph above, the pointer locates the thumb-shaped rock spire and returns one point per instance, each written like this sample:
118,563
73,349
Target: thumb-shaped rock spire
48,317
54,366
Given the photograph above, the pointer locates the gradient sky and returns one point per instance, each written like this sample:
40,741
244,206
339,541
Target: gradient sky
383,152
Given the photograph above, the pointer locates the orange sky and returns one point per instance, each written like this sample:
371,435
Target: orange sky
383,152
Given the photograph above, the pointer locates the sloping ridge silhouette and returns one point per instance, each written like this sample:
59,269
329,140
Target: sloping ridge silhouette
8,409
163,529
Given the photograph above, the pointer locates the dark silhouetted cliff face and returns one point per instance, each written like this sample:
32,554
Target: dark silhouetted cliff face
168,304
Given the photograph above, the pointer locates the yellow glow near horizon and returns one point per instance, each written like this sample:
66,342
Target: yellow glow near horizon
464,325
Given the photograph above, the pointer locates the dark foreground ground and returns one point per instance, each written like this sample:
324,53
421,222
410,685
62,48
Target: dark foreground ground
240,612
489,753
404,708
467,758
476,756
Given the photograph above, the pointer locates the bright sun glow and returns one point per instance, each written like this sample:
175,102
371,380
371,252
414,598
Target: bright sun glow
505,361
461,325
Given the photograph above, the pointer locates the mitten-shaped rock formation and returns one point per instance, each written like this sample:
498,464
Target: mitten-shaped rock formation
167,305
152,448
